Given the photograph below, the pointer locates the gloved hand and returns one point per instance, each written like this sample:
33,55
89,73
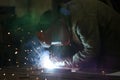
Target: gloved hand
78,57
84,61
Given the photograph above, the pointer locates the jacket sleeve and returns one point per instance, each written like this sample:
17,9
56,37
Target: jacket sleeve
90,38
91,44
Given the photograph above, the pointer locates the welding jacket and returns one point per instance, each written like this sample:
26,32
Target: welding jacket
97,27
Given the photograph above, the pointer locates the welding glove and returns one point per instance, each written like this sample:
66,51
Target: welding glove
78,57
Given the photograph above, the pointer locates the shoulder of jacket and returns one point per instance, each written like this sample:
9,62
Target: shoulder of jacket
89,6
81,9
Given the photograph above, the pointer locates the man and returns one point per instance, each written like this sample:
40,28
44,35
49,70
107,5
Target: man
89,28
98,29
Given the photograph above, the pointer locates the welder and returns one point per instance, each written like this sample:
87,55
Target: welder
85,31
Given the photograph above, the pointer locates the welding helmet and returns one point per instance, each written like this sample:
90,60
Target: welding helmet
56,33
54,30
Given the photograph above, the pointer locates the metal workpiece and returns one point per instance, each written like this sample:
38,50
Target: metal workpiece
32,73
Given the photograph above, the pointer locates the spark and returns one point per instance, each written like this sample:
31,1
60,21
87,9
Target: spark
46,79
17,62
16,52
9,59
17,65
9,33
4,74
37,78
41,30
13,74
28,33
16,48
21,41
9,45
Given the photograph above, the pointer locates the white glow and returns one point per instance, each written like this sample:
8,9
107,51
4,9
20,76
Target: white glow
44,44
56,43
47,63
50,65
58,64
